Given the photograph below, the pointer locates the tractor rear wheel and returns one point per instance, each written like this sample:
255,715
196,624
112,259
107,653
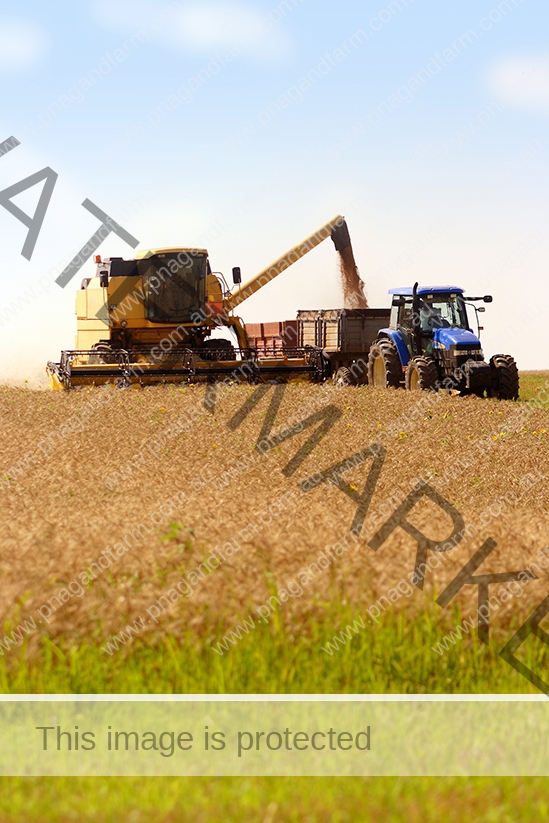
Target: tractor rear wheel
421,374
384,368
505,378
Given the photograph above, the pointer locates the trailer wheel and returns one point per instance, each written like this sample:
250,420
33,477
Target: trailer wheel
384,368
343,377
421,374
505,378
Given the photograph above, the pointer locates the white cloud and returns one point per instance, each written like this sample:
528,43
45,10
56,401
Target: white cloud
216,26
523,81
22,44
127,16
202,29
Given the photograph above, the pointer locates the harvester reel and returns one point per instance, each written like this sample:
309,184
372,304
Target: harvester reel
384,369
421,374
505,378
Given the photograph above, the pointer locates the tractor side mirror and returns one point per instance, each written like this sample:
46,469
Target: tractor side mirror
487,298
237,277
104,278
481,308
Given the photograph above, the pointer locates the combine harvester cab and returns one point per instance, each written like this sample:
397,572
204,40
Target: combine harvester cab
150,320
429,345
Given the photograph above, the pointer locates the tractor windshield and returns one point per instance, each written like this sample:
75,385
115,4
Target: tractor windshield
442,311
174,285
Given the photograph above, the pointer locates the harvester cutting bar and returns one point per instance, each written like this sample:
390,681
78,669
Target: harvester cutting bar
87,367
132,367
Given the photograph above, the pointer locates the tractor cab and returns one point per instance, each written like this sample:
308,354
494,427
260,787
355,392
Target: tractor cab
431,318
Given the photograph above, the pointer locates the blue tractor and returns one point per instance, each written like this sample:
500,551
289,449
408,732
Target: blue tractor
430,345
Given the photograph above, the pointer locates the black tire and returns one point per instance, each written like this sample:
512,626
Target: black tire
102,353
384,367
421,374
343,377
359,372
505,377
218,350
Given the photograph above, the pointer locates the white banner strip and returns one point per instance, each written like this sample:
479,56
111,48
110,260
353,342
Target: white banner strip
274,737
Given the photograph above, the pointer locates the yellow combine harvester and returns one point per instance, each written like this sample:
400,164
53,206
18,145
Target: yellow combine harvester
150,320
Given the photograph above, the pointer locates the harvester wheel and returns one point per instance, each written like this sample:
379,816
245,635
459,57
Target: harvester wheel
505,378
343,377
218,349
421,374
384,369
102,353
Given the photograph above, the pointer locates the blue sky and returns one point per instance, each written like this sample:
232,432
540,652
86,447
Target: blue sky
243,126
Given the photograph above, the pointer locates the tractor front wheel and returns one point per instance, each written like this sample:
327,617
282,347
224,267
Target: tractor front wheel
505,378
384,368
421,374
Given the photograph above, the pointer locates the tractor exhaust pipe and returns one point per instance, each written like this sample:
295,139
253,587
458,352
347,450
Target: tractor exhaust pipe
416,318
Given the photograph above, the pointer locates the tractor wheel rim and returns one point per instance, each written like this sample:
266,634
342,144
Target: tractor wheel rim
414,380
379,372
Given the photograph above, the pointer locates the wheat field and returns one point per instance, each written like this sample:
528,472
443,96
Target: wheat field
73,494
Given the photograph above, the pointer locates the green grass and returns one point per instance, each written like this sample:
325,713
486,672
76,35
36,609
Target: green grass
531,383
394,657
274,800
286,657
